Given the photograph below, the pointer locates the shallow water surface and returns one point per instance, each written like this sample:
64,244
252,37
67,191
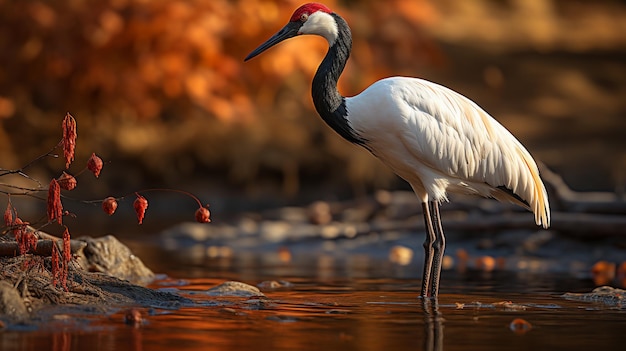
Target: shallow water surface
379,314
340,307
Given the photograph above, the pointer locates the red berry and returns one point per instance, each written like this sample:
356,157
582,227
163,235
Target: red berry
203,215
140,205
94,164
109,205
67,181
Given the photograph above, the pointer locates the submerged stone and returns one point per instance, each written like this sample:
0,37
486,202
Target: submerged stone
604,294
232,288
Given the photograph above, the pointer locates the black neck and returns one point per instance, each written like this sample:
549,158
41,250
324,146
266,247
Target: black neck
330,105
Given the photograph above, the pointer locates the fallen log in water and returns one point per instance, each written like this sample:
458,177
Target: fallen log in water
43,248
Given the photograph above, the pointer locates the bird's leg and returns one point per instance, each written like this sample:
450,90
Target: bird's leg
439,246
428,251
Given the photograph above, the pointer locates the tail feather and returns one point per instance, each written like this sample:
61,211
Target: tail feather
538,201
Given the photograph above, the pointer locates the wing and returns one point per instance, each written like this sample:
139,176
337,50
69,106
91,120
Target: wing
447,140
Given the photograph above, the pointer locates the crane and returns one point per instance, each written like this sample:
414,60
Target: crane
434,138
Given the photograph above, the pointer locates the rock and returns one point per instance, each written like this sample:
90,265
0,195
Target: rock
520,326
275,231
275,284
319,213
108,255
133,317
11,303
110,292
232,288
604,294
104,289
400,255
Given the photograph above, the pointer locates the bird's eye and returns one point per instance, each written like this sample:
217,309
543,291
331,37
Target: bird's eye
304,17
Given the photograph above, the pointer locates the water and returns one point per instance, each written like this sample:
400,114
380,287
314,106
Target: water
340,303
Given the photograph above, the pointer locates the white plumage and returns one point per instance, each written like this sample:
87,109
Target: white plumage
440,141
436,139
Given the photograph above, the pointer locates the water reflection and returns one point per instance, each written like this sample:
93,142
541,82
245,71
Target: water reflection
61,341
433,325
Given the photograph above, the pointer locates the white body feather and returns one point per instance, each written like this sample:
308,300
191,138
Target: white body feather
440,141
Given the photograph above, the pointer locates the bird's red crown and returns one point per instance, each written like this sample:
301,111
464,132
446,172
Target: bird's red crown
308,9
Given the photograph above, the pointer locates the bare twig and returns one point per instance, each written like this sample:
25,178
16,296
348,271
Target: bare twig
20,171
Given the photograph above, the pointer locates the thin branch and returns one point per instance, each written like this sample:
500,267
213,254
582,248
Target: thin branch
20,171
146,191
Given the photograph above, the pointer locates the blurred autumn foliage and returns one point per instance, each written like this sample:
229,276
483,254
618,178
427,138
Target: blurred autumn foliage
161,85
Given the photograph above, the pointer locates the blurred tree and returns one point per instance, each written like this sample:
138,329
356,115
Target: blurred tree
163,82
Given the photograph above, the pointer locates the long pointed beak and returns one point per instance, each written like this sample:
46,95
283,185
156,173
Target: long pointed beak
288,31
